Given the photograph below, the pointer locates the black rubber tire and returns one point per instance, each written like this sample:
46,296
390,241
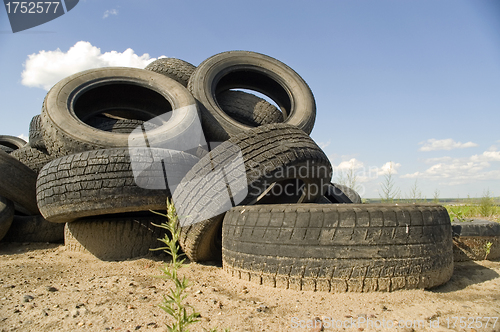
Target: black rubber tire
34,229
270,153
248,108
34,158
18,182
335,194
471,238
102,182
476,227
35,134
123,126
11,143
339,247
128,92
253,71
6,215
202,241
176,69
115,238
338,193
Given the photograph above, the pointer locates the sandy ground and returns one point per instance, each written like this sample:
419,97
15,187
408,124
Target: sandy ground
44,287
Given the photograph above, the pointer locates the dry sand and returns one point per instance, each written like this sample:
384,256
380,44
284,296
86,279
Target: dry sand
44,287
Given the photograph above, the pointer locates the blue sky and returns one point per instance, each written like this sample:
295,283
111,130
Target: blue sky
412,84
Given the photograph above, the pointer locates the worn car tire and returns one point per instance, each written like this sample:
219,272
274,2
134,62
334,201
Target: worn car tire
114,237
18,182
477,239
253,71
248,108
6,216
11,143
123,126
202,241
338,193
34,229
35,133
339,247
124,92
176,69
102,182
34,158
271,155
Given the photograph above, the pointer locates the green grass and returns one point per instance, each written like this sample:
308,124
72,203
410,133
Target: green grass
468,211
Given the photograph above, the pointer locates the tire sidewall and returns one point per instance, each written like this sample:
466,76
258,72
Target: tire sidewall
58,116
207,75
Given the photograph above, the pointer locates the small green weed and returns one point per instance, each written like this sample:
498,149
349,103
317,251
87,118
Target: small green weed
173,304
487,249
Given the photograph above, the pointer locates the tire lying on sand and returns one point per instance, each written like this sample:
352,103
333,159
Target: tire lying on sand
34,229
339,247
248,109
122,92
104,182
6,216
176,69
11,143
279,159
114,237
477,239
18,182
253,71
35,133
34,158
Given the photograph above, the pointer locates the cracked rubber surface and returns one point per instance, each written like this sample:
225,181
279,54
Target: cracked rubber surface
339,247
176,69
275,153
123,126
34,158
202,241
114,237
34,229
102,182
18,182
248,108
35,133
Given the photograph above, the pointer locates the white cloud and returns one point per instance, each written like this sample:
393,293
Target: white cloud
444,144
110,12
389,167
452,171
48,67
487,156
437,160
323,145
353,163
23,137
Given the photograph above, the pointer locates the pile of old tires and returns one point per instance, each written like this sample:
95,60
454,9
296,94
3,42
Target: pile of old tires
78,171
